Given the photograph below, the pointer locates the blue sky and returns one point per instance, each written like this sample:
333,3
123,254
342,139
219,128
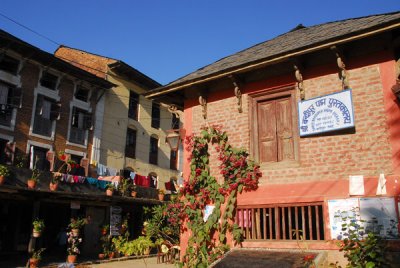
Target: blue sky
167,39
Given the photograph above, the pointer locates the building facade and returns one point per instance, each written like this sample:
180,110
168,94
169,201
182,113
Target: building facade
309,164
133,128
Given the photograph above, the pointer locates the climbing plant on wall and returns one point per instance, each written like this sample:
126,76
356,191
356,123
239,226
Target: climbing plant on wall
207,241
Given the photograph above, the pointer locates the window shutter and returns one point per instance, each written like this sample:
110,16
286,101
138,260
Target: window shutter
88,121
9,151
284,129
16,97
50,157
267,132
85,164
55,111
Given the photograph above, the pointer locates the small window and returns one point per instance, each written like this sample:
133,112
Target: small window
9,64
130,147
173,160
49,80
38,158
82,93
175,122
133,105
153,159
80,123
155,115
46,111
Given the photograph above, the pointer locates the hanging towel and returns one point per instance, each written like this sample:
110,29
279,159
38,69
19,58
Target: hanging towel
101,170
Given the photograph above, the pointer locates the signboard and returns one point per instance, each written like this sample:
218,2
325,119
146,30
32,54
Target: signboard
115,220
378,214
327,113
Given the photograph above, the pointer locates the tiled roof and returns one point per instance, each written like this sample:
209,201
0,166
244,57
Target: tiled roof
298,39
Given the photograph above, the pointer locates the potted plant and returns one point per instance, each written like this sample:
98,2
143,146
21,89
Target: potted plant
133,190
38,227
34,178
144,244
110,189
105,229
73,247
76,224
35,258
161,194
55,179
4,172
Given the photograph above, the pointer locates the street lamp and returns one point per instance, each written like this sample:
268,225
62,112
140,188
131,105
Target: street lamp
174,138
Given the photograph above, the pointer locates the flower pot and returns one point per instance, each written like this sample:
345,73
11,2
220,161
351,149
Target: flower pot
161,197
75,232
2,179
103,231
101,256
31,184
33,263
36,233
109,192
71,258
53,186
133,194
111,255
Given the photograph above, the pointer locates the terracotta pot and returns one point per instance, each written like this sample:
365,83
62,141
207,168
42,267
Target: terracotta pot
75,232
133,194
31,184
101,256
111,255
36,234
53,186
2,179
109,192
161,197
71,258
33,263
103,231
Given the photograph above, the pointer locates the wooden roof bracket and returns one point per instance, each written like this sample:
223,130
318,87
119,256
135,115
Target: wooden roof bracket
203,103
237,91
299,79
343,76
173,109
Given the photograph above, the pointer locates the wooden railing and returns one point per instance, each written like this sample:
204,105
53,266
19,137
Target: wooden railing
282,222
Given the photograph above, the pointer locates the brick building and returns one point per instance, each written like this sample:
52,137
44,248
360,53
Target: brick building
134,128
258,95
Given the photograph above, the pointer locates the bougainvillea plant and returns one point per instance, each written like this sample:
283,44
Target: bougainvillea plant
208,238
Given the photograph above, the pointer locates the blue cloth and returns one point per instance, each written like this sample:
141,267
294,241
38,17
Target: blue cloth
98,183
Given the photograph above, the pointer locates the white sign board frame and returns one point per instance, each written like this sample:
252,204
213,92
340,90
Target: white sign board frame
326,113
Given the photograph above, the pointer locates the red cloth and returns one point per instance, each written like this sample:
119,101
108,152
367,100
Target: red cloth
168,186
143,181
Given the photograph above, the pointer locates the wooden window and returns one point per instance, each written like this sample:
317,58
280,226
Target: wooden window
133,110
82,93
153,159
80,123
9,64
173,160
38,156
130,147
274,136
49,80
155,115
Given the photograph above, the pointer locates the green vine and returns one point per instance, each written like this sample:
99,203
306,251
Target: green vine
207,241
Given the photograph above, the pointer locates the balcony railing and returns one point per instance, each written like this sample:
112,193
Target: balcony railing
282,222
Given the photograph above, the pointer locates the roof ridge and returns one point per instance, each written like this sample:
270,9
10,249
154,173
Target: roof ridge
88,52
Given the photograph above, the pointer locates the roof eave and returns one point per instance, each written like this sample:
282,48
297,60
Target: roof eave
267,61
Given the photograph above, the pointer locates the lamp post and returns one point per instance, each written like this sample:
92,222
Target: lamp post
174,138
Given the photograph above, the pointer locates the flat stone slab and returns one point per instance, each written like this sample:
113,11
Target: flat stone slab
246,258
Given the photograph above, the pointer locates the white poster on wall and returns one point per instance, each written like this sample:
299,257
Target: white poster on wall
337,209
